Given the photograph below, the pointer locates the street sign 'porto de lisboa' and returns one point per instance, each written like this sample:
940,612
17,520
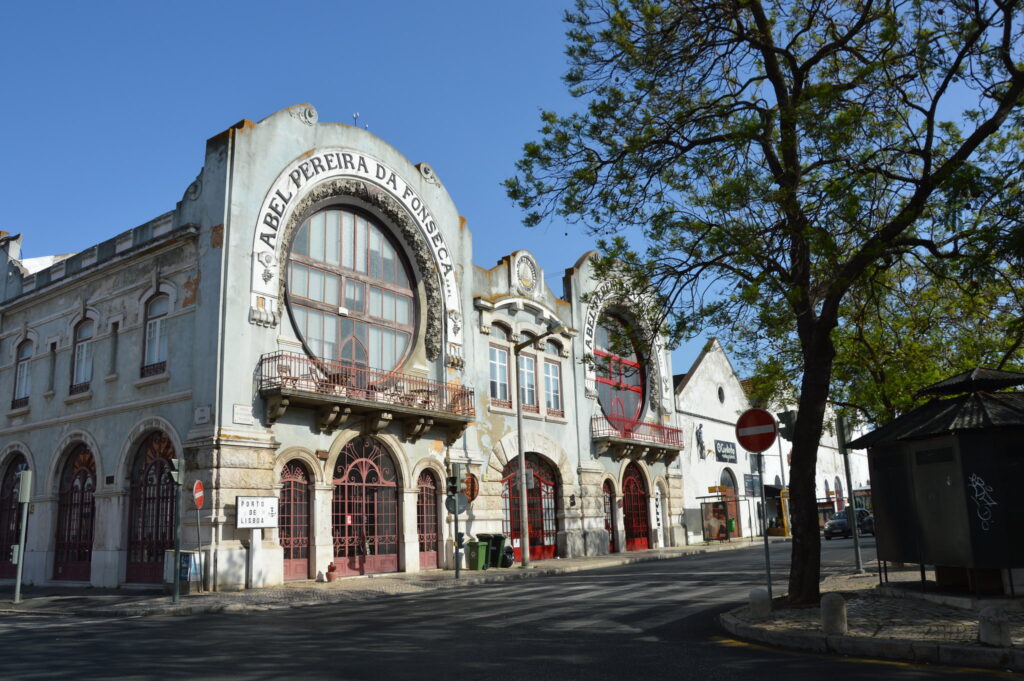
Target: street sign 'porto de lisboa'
756,430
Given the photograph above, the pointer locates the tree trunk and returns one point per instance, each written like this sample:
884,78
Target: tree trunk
805,569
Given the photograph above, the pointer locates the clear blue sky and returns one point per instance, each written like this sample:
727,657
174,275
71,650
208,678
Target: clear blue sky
107,105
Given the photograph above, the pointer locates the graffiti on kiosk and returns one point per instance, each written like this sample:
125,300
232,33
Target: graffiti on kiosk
982,496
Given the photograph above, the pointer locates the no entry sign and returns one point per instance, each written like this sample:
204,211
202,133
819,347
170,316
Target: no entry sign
756,430
197,494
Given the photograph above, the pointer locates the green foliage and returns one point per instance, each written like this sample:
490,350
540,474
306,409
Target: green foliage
753,165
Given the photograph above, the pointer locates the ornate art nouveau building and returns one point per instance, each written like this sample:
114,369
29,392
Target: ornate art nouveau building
307,324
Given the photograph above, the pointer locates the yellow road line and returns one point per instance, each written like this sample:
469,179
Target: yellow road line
721,640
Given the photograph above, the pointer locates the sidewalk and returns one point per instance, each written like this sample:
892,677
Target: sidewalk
92,602
896,621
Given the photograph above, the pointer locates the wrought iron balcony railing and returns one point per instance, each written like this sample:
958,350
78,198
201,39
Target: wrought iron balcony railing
639,431
320,379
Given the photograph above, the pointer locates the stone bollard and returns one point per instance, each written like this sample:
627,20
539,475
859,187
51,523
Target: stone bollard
994,628
760,604
833,614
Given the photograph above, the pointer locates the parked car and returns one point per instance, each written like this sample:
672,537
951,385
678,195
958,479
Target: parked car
839,526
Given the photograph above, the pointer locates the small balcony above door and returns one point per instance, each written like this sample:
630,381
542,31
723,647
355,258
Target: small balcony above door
339,393
632,439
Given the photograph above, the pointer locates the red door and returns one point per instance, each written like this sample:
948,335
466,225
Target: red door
609,514
10,515
151,510
732,502
541,491
365,513
635,511
426,520
293,520
76,508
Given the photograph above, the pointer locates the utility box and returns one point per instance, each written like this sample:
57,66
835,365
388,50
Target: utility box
190,567
944,478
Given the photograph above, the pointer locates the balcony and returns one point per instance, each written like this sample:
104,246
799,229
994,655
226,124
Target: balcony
626,438
338,393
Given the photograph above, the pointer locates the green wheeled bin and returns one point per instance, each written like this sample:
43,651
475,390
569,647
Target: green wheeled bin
476,555
730,525
497,549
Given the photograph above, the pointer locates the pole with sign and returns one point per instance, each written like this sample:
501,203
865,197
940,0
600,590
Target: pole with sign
197,497
756,431
24,492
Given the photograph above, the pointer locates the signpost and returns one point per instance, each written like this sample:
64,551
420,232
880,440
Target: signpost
756,431
255,513
24,492
197,497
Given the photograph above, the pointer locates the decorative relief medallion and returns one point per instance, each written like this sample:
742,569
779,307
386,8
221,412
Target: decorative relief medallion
526,275
304,114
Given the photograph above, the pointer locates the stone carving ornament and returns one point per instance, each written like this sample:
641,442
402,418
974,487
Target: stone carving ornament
397,218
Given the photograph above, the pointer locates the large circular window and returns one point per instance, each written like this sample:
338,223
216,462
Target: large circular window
619,373
349,289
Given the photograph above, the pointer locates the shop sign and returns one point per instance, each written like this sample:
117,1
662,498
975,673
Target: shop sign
725,451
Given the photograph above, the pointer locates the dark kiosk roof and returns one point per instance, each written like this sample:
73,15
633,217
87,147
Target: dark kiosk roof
976,410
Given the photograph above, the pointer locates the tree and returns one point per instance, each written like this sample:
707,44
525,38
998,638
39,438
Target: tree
750,163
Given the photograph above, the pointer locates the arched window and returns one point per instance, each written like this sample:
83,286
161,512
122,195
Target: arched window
635,510
151,509
619,373
10,513
350,290
365,518
154,352
22,377
542,491
76,509
293,527
427,520
81,362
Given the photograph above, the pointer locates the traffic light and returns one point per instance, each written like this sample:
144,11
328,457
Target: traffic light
451,485
787,423
175,464
460,539
15,553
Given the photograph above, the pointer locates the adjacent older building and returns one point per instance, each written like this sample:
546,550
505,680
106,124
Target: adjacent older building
307,325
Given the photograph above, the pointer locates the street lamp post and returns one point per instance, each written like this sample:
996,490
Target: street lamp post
524,516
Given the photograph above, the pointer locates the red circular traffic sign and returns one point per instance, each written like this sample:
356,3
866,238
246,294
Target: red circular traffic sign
197,494
756,430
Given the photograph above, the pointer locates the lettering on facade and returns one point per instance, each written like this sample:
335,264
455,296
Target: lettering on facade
255,512
300,177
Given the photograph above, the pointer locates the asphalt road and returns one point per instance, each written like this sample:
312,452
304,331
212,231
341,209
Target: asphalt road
645,621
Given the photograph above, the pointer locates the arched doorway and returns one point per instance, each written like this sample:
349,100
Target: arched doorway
76,510
635,510
732,501
150,510
608,493
293,520
427,520
541,492
840,501
365,510
10,514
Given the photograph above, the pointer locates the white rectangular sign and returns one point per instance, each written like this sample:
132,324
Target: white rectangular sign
256,512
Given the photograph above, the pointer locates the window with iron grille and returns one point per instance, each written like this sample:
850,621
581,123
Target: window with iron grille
155,351
76,510
151,509
22,377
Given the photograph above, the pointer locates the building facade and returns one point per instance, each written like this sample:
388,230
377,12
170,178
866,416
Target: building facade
307,326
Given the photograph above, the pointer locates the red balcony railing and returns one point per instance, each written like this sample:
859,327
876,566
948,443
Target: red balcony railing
293,371
644,431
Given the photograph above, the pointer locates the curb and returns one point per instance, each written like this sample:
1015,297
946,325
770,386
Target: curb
469,578
923,652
